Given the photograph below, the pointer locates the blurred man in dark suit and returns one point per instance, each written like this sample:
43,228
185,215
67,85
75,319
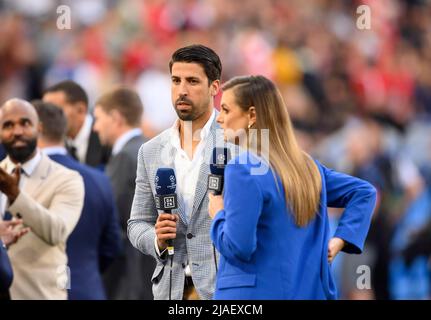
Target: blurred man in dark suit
82,142
96,240
117,119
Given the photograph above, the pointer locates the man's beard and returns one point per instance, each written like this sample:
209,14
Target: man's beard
188,115
20,154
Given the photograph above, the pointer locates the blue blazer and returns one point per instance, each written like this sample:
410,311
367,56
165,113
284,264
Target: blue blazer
6,274
2,152
96,240
264,255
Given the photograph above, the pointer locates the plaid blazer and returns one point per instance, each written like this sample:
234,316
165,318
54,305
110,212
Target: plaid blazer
197,251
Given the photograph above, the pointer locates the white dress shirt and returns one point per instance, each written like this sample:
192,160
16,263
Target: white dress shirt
123,139
49,151
82,139
27,168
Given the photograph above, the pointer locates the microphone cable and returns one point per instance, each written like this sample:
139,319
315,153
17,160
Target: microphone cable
215,258
170,277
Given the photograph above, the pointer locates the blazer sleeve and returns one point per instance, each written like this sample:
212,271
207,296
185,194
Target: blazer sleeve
123,177
234,229
358,197
55,223
6,274
143,215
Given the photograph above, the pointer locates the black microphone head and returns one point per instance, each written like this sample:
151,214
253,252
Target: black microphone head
219,160
165,181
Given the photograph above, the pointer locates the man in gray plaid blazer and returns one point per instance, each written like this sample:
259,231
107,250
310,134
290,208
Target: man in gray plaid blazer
187,148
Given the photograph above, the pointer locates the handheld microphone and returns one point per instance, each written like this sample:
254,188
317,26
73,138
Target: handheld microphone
166,198
219,160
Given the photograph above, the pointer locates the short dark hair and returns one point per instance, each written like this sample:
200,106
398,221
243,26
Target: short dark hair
125,101
53,120
202,55
73,91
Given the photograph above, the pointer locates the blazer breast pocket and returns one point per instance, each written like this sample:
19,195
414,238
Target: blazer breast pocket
236,281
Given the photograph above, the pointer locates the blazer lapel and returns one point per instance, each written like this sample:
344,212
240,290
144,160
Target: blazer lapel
162,164
181,211
37,177
33,183
201,185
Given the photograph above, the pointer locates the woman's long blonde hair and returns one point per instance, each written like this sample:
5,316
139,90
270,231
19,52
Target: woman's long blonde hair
299,174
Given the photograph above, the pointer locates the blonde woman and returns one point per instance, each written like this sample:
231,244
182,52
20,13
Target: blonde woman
272,229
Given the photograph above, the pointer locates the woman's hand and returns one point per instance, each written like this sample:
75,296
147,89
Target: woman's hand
215,204
334,247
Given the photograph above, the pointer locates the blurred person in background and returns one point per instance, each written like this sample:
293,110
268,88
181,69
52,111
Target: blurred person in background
49,199
96,240
82,142
21,73
410,278
398,181
363,147
118,115
419,244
